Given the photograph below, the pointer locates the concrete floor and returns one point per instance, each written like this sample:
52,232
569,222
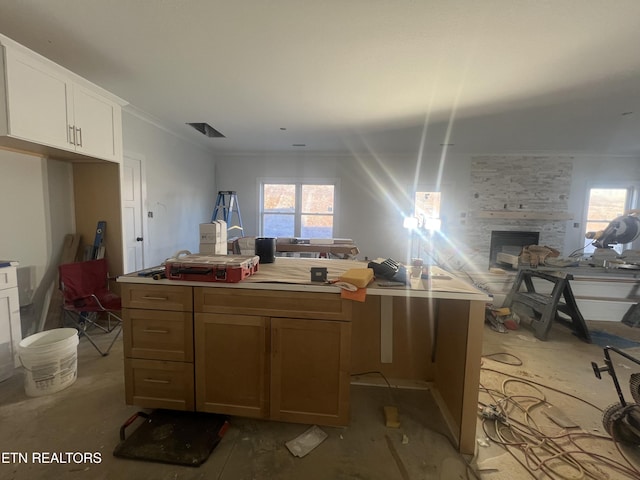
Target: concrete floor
86,417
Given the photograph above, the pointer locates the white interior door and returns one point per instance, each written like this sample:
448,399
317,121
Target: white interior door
132,213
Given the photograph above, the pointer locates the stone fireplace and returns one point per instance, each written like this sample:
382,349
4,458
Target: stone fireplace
519,194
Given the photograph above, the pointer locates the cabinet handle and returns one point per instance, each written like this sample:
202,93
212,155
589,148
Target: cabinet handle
71,135
153,330
156,298
79,137
153,380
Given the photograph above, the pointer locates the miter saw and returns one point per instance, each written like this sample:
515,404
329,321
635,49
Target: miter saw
622,229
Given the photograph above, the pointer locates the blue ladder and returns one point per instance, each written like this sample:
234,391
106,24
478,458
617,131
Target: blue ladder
227,205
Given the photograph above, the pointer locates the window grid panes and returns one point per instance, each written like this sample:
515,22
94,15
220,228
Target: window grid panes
298,210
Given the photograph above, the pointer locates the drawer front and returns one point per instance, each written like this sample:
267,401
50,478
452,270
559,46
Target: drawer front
159,384
158,335
272,303
8,277
176,298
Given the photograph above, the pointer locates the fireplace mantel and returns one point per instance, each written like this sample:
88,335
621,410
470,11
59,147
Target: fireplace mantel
525,215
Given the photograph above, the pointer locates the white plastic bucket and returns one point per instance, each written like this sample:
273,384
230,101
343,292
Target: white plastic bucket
50,361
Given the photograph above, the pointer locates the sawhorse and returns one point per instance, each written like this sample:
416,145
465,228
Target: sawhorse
547,307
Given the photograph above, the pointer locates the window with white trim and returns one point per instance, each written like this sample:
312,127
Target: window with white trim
297,209
603,205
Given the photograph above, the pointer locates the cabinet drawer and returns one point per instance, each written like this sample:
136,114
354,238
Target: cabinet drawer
159,384
157,297
158,335
8,277
310,305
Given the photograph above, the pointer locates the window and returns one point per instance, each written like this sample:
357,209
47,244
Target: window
427,210
297,209
605,204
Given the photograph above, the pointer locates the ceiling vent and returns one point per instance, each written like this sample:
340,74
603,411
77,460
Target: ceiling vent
206,129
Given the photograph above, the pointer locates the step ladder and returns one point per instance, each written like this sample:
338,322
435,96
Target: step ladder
96,250
547,307
226,206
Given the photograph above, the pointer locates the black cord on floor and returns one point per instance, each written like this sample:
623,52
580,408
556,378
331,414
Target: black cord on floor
516,363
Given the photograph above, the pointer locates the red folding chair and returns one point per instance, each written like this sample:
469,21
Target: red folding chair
86,295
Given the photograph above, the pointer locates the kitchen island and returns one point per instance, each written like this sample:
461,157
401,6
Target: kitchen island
278,346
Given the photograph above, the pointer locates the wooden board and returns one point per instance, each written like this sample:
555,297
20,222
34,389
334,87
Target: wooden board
69,255
523,215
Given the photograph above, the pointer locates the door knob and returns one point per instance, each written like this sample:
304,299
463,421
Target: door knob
138,239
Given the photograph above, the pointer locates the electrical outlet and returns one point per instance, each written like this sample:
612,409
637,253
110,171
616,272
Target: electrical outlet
150,214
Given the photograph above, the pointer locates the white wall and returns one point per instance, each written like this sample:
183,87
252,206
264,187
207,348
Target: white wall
23,211
36,212
180,186
374,192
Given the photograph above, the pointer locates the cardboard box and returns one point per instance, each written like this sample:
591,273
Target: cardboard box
213,248
223,231
210,233
213,232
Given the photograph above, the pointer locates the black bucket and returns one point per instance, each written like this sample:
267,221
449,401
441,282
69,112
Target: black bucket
266,249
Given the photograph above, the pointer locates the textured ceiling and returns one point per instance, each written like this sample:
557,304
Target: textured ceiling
384,76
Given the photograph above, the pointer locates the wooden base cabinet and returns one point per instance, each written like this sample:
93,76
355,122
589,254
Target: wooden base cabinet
294,370
273,355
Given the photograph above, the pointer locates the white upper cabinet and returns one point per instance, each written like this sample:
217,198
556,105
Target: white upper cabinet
37,102
48,106
97,125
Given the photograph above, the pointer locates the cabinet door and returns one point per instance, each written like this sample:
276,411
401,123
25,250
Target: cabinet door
10,331
37,102
231,353
310,379
95,120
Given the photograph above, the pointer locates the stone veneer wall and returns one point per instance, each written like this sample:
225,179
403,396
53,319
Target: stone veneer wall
518,183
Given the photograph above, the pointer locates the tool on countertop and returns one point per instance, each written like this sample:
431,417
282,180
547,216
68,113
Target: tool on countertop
151,272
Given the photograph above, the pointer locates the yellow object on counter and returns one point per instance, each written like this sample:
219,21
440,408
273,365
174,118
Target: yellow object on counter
359,277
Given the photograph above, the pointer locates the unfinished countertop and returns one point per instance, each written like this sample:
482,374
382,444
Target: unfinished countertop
293,274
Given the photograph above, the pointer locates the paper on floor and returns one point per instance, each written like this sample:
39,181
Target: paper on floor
304,443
